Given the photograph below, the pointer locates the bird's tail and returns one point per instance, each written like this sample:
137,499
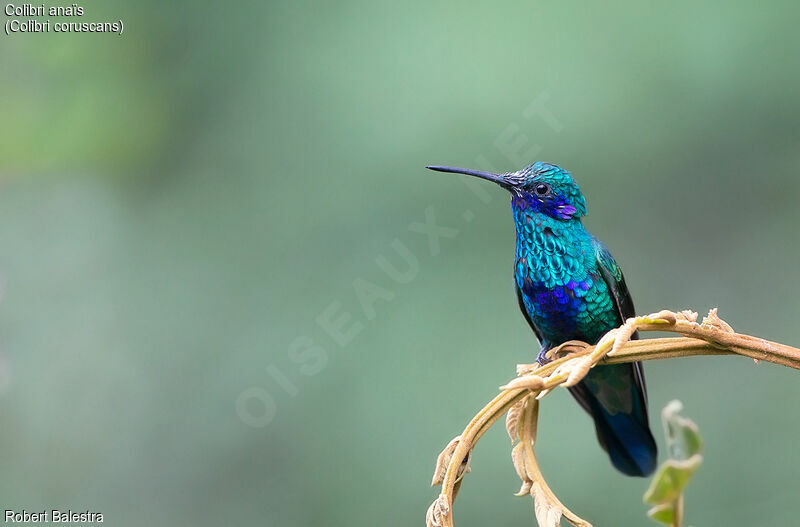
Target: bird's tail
614,395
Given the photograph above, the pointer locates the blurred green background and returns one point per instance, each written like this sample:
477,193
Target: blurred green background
180,204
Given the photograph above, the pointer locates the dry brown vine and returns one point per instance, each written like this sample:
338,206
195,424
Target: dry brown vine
570,363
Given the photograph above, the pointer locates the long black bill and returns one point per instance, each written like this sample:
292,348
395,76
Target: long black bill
497,178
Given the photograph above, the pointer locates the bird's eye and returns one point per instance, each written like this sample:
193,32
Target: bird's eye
541,189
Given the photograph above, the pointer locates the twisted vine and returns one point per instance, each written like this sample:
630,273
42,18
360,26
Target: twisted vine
570,363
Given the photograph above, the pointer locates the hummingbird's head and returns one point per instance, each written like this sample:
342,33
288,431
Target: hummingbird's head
540,187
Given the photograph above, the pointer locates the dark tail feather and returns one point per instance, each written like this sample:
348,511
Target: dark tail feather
617,403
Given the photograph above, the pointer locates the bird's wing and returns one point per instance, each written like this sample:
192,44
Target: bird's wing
612,275
528,317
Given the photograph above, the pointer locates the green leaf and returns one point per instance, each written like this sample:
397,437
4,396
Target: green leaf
683,436
670,479
664,513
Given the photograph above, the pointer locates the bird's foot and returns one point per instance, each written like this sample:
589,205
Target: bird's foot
544,356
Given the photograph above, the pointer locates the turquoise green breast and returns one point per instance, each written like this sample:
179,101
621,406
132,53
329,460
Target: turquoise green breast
556,270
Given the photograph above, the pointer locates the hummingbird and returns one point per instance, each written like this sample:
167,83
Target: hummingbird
569,287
